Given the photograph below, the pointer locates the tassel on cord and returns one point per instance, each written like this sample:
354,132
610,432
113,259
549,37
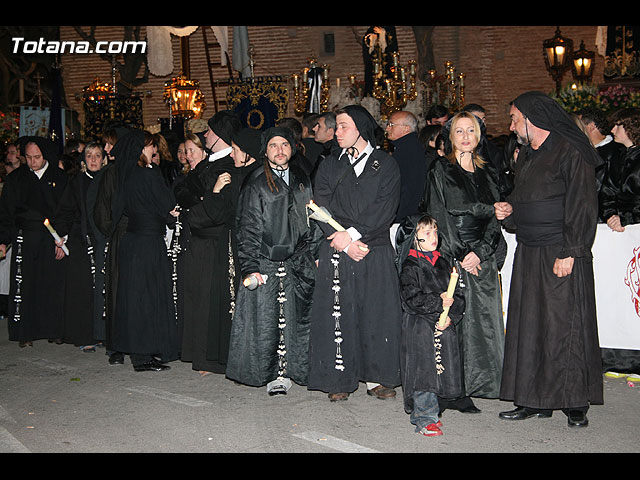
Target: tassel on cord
232,276
282,350
174,249
335,260
18,298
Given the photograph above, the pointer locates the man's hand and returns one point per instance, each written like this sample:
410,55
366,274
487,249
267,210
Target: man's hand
339,240
59,253
563,266
357,250
3,250
502,210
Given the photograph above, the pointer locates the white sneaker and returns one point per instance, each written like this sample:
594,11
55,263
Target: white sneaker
279,386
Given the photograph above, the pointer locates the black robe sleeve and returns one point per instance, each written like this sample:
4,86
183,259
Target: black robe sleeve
421,285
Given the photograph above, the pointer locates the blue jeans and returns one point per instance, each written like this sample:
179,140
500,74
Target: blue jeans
425,409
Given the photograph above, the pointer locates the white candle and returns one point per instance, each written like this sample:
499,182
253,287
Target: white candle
452,286
55,235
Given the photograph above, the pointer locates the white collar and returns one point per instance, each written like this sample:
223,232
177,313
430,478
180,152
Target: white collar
40,172
222,153
607,139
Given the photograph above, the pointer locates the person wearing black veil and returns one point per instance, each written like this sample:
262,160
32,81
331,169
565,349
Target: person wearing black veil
84,298
460,194
206,302
144,323
552,354
112,227
30,195
359,184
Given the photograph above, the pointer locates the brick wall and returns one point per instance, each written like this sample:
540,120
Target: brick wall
499,62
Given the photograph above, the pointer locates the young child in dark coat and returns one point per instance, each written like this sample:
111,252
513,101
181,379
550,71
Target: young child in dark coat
430,361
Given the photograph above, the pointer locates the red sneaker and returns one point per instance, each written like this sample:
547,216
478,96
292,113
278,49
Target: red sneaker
431,430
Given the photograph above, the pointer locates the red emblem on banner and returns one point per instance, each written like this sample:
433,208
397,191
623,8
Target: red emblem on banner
632,279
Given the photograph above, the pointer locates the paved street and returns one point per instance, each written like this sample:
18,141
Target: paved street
57,399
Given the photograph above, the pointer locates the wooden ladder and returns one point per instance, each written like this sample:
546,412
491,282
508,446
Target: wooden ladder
218,87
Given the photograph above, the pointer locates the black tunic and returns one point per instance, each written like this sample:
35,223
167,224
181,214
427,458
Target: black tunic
422,282
113,232
206,301
462,203
25,203
274,238
369,297
145,321
84,299
552,355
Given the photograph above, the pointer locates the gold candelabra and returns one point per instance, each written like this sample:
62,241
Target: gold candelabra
309,92
395,91
447,89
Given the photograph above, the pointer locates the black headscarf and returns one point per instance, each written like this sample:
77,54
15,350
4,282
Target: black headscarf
48,149
126,151
225,124
545,113
250,141
365,123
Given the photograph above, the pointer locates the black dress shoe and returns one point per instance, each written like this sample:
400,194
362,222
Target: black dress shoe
522,413
151,366
116,359
577,418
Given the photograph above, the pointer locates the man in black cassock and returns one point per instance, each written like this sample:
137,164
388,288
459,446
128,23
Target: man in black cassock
277,248
356,312
552,354
30,195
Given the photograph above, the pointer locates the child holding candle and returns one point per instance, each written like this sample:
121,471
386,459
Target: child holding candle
430,358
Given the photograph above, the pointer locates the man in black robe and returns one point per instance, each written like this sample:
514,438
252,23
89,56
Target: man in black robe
357,278
552,355
277,249
31,195
410,154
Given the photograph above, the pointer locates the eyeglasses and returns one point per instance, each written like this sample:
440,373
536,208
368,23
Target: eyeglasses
391,124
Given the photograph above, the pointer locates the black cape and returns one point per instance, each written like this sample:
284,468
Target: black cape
84,299
25,203
462,204
206,291
274,238
369,294
144,317
421,283
552,331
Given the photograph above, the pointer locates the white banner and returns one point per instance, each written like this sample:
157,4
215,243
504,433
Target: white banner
616,266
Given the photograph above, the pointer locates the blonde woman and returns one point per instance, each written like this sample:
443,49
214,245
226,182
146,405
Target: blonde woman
461,190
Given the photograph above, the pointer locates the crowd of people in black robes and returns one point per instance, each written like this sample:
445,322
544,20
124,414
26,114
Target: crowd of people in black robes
152,227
